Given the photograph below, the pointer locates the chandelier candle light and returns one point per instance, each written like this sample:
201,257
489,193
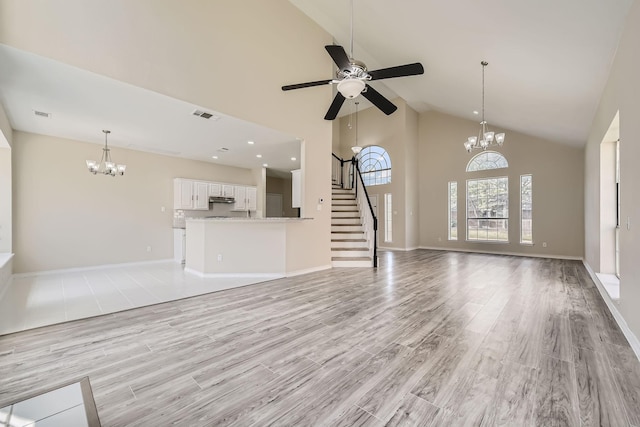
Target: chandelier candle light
106,166
485,137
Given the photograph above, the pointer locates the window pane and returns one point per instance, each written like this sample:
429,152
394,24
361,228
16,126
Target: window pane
487,209
453,210
526,208
375,165
388,218
487,160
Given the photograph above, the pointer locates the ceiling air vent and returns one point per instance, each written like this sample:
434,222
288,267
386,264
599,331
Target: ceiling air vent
41,113
205,115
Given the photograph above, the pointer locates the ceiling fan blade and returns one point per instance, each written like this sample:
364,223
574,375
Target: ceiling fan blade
399,71
379,101
339,56
308,84
332,113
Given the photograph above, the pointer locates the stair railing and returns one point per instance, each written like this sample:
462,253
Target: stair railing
369,219
348,178
337,170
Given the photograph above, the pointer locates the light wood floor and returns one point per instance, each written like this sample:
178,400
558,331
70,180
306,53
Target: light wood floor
429,338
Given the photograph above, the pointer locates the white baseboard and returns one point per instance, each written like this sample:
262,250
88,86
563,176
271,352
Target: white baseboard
568,257
93,267
389,248
268,276
308,270
613,308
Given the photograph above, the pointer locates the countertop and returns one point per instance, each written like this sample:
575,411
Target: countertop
239,219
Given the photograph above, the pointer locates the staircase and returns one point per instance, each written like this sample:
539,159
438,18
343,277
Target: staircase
349,246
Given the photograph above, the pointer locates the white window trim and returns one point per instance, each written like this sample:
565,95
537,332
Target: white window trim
466,213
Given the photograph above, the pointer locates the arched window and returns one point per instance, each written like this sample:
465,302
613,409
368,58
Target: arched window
375,165
487,160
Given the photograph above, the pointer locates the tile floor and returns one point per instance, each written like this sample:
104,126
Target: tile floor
40,300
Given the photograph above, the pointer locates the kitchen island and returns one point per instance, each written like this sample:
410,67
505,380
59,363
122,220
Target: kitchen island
239,246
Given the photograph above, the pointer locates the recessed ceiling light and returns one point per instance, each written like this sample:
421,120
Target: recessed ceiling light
476,112
264,165
259,156
250,142
214,157
293,159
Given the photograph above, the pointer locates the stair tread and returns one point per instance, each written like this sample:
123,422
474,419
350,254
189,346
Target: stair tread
360,249
347,232
349,240
341,258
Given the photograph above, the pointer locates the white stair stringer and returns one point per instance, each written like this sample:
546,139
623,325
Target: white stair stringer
349,244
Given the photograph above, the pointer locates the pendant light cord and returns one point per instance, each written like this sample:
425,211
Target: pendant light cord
351,45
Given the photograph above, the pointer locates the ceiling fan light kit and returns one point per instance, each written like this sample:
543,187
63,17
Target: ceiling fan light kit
350,88
106,166
351,78
485,137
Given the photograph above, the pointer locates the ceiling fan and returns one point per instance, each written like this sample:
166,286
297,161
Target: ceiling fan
351,78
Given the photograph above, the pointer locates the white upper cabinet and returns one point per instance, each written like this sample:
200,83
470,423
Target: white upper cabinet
252,198
241,198
296,188
201,191
228,190
190,195
215,189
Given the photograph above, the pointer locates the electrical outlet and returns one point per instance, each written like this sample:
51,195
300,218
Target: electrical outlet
148,248
219,257
544,244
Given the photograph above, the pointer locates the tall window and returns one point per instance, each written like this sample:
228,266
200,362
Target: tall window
375,165
526,206
388,218
488,209
453,210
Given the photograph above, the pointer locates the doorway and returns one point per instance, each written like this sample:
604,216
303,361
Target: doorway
274,205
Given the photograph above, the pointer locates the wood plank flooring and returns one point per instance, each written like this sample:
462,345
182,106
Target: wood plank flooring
430,338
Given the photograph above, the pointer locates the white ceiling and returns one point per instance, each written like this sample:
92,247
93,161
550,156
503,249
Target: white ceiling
82,104
548,59
548,64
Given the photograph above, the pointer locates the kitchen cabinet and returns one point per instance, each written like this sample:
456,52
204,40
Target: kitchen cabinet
246,198
296,188
241,198
228,190
215,189
190,195
201,192
252,198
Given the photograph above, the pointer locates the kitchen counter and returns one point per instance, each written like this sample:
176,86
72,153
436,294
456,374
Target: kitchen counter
242,246
255,220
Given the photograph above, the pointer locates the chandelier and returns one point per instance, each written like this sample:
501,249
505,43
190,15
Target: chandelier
485,137
356,148
105,166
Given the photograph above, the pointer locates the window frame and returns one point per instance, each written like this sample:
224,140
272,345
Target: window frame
450,211
522,242
375,176
467,218
388,217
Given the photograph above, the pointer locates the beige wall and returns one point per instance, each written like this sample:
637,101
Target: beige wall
197,51
557,180
397,134
620,93
65,217
6,137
